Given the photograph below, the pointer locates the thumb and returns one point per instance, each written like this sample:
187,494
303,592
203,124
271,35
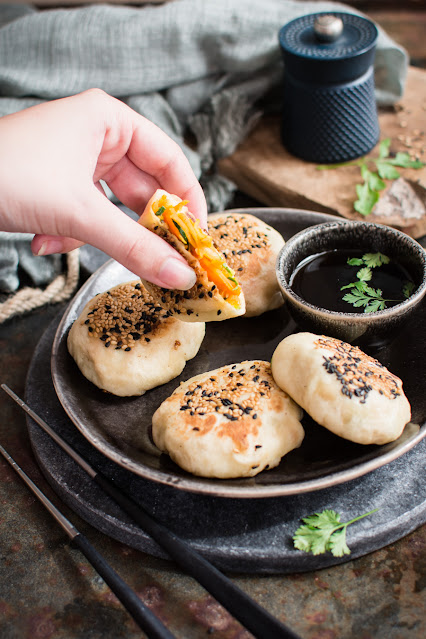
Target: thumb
137,249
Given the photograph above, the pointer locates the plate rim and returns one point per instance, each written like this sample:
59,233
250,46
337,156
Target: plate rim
215,486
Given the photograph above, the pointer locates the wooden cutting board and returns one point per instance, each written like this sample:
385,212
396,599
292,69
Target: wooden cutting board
265,170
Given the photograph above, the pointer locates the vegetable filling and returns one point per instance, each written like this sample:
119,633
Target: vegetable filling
200,245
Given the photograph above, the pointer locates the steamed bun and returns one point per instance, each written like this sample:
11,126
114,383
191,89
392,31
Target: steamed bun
230,422
341,388
126,344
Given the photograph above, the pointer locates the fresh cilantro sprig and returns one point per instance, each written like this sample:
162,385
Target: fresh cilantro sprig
374,170
408,289
373,260
364,295
361,294
324,531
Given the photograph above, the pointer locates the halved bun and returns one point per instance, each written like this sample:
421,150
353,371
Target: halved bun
216,295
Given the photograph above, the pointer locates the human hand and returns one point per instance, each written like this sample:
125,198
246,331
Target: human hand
52,158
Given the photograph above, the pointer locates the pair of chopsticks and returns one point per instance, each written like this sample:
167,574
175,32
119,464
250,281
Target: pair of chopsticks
247,611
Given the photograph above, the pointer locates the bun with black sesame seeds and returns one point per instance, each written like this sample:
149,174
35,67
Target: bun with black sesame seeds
230,422
216,294
341,388
126,344
250,247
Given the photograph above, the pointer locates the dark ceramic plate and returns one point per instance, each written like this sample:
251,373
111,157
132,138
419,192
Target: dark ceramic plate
120,427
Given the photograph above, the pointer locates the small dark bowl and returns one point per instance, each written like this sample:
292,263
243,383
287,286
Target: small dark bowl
350,327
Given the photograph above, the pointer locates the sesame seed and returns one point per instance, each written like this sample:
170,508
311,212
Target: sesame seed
352,368
232,402
120,312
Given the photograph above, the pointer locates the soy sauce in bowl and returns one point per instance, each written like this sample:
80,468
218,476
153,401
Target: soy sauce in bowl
312,267
319,279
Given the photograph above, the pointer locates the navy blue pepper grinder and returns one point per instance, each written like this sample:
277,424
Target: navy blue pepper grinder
329,107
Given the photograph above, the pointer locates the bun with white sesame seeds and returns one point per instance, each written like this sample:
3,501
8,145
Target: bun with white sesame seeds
230,422
126,344
250,247
341,388
216,294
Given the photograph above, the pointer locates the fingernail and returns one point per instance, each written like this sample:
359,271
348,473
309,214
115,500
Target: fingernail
176,274
52,246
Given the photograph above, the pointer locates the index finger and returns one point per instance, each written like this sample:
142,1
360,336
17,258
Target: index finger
155,154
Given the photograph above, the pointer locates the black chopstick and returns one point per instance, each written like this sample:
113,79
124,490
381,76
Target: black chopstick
249,613
143,616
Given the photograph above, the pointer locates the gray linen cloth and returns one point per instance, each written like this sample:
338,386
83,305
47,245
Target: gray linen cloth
188,65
